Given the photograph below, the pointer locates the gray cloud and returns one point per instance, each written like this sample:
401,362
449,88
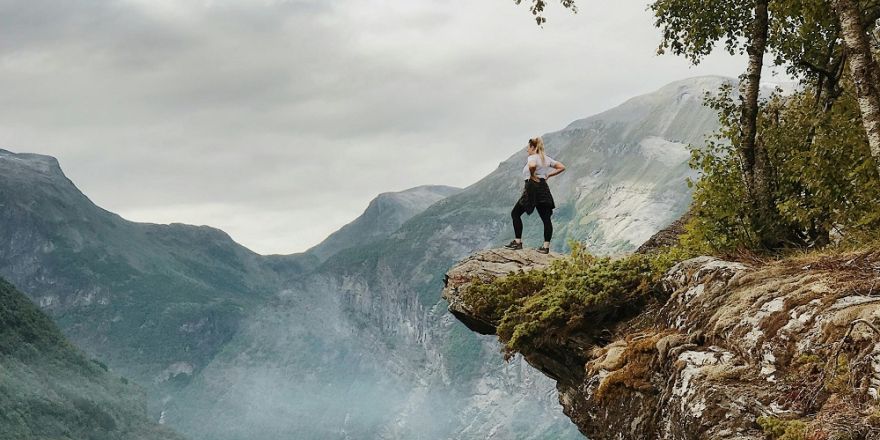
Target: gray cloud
279,120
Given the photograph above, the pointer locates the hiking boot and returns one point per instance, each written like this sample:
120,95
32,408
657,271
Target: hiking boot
513,245
543,250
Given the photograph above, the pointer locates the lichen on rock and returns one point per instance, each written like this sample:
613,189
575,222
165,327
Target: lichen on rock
728,350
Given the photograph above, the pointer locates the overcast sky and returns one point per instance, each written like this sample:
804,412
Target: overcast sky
278,121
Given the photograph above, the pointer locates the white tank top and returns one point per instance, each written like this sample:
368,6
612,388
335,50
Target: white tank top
544,168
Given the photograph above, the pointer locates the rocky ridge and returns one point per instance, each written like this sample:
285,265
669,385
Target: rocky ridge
735,347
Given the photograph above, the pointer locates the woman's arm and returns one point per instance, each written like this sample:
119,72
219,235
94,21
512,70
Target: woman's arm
532,168
559,169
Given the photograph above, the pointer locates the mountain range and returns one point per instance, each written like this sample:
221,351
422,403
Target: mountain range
349,339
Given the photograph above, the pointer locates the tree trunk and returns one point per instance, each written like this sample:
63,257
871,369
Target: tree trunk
864,71
755,164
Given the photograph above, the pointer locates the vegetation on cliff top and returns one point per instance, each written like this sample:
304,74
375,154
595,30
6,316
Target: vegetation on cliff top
575,294
824,184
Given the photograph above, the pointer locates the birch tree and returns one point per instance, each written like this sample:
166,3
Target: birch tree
693,28
863,70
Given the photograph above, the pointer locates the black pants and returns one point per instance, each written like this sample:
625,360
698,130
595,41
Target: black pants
544,211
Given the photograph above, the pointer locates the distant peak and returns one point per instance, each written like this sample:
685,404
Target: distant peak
710,83
654,106
384,214
11,162
707,82
696,86
423,189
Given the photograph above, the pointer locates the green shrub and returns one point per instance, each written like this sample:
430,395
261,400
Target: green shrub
577,294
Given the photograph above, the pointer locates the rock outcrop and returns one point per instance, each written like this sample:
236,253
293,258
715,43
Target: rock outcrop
666,237
486,266
732,348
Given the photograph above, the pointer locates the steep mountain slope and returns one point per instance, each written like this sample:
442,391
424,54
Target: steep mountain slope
381,218
308,367
433,378
48,389
156,302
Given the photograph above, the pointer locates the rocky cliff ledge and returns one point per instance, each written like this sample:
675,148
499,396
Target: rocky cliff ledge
783,350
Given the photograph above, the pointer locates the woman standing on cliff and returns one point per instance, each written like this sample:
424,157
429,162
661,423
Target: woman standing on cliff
536,194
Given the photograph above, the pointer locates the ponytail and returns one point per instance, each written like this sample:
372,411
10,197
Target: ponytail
538,143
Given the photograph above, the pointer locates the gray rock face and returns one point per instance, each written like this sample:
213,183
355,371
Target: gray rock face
731,344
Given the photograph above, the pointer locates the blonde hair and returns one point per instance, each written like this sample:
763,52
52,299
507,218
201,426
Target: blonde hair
538,143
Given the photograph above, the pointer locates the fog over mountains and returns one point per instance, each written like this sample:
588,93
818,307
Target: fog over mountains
349,339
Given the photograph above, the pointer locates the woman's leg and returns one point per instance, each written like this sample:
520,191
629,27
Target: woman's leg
516,215
545,213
